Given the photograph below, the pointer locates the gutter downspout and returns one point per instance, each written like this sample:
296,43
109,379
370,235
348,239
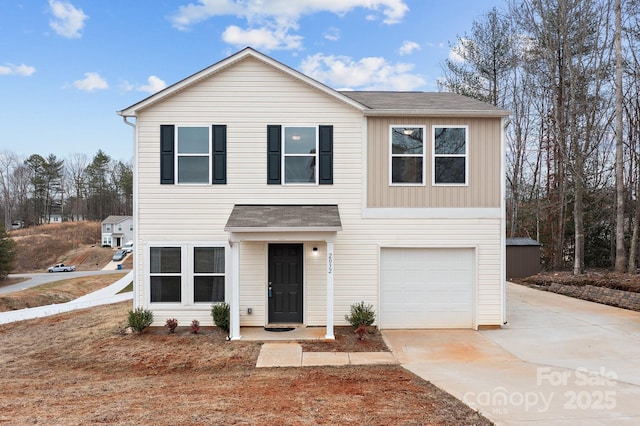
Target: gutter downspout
135,212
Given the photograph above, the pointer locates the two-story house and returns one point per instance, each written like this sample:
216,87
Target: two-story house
257,185
117,230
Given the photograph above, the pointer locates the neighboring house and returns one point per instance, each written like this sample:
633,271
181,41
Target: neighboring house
259,186
117,230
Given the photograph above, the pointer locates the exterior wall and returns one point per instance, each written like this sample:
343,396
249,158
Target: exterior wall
484,156
523,261
249,96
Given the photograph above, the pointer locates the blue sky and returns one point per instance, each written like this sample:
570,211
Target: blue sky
67,66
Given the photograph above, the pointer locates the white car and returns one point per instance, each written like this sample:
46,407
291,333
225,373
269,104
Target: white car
61,267
128,247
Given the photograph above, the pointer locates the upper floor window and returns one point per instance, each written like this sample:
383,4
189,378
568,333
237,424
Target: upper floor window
407,155
193,156
450,155
300,154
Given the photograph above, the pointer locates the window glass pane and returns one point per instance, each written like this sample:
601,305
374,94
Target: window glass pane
300,169
450,170
406,140
193,169
300,140
193,140
165,289
165,260
208,260
406,170
208,289
449,141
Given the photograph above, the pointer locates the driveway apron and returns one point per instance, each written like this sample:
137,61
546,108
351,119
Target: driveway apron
558,361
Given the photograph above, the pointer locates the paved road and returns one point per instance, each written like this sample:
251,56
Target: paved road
34,280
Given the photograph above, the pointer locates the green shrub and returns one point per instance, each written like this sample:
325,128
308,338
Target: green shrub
139,319
361,315
221,313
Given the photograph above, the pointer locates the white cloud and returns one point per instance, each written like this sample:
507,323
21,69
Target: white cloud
261,38
408,47
92,81
67,20
154,84
457,53
332,34
371,73
21,70
275,20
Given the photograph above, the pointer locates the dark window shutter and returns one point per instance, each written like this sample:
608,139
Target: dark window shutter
325,168
274,143
219,154
167,161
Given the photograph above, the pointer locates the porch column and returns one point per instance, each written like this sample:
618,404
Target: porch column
234,318
329,334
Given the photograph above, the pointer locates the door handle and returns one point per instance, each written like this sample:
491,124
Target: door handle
270,291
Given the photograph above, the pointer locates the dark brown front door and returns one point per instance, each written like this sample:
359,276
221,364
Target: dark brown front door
285,283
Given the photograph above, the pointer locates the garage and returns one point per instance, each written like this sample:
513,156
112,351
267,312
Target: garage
427,288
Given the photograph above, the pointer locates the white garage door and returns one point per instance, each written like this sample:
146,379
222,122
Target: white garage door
427,288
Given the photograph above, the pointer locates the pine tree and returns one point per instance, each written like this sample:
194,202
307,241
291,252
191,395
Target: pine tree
7,253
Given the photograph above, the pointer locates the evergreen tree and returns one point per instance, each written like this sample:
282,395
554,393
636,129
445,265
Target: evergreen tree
7,253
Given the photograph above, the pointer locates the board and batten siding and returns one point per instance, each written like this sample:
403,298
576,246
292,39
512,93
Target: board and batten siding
483,189
246,98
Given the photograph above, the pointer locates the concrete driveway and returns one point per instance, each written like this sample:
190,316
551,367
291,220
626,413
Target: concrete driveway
558,361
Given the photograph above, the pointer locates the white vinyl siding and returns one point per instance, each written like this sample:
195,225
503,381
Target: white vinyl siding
248,96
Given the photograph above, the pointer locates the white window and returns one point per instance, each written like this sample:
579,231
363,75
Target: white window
165,274
406,156
187,274
450,147
208,274
193,157
300,148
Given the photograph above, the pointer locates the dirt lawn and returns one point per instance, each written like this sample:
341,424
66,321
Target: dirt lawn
81,368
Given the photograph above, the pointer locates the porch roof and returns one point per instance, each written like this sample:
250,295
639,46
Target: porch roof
283,218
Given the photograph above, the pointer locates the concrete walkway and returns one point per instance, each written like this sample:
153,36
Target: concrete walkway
104,296
291,355
559,361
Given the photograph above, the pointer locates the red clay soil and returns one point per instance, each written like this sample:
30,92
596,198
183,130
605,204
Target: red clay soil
83,367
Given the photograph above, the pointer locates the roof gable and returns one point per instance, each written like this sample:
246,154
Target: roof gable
248,52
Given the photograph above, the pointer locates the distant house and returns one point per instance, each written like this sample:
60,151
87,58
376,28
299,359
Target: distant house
259,186
117,230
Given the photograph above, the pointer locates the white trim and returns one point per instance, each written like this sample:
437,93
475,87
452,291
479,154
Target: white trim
177,154
392,155
465,156
186,273
503,231
284,155
234,302
330,267
432,213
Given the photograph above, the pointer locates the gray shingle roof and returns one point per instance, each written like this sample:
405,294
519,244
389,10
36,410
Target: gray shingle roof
245,217
116,219
438,103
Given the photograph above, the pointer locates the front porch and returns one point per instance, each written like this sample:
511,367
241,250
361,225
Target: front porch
284,239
